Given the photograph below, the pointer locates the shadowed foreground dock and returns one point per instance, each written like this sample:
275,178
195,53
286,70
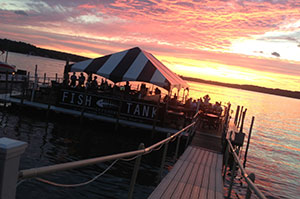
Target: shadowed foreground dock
198,172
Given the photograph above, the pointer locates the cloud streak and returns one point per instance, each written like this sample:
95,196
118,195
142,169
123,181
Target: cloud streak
189,29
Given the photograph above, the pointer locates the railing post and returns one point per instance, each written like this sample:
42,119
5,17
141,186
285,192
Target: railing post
10,153
135,172
177,147
163,158
248,142
226,161
249,192
188,138
232,175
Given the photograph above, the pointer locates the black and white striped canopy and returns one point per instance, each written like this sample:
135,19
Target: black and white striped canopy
131,65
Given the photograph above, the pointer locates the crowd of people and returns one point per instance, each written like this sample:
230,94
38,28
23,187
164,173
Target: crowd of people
191,105
91,83
203,104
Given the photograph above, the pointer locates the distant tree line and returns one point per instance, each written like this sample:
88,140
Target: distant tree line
280,92
25,48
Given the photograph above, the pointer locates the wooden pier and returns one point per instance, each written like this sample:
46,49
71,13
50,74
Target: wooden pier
198,172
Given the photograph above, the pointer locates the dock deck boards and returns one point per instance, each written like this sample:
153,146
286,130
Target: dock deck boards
197,174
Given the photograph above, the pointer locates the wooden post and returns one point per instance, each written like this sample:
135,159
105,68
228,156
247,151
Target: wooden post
135,172
226,161
236,115
248,142
11,84
44,78
163,158
243,118
35,83
226,122
232,176
252,178
10,153
240,116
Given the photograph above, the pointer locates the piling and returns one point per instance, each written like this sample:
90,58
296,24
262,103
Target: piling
236,115
248,142
240,116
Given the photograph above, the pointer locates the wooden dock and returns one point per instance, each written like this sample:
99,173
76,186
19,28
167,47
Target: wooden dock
197,174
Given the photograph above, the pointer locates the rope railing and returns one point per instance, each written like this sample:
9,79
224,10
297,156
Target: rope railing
36,172
244,174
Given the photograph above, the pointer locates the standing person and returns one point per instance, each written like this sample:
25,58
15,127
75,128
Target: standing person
206,100
73,80
127,87
94,84
81,80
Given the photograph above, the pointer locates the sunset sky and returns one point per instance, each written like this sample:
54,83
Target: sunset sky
236,41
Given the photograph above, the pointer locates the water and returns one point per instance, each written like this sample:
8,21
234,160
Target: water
274,153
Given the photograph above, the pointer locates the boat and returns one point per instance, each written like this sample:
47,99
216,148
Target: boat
5,67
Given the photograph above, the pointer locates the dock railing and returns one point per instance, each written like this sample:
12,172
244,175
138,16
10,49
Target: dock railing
249,179
11,150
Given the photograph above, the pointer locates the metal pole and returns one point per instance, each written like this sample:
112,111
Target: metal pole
249,192
248,142
164,157
135,173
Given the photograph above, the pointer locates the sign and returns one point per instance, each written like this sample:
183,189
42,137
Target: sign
132,110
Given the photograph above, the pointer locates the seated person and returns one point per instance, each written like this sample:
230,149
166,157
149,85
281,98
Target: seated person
173,101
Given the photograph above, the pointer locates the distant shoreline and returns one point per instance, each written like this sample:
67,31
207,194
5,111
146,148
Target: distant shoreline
28,49
278,92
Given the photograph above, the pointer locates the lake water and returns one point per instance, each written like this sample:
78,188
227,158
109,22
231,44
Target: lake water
274,153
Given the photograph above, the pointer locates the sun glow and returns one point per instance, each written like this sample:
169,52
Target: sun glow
209,70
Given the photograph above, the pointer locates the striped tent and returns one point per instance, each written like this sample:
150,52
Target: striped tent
131,65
